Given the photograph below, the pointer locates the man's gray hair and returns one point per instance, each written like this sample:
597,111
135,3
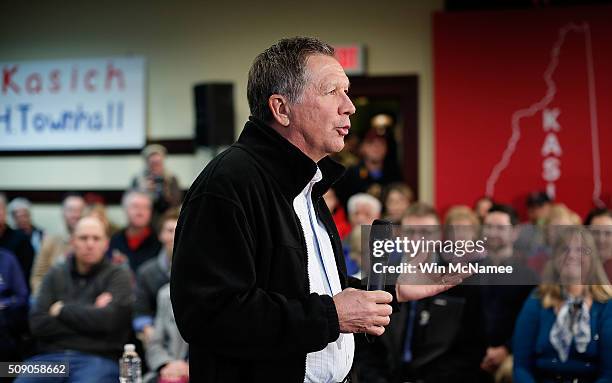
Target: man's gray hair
70,196
366,199
130,194
281,69
18,204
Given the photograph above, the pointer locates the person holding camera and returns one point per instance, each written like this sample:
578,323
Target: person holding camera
156,180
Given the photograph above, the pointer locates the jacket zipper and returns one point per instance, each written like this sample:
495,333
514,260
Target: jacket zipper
305,248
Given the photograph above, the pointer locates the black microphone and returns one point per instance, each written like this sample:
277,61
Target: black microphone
381,230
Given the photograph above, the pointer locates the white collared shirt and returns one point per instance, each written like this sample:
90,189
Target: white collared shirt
334,362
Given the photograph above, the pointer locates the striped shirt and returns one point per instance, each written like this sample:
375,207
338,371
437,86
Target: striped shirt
334,362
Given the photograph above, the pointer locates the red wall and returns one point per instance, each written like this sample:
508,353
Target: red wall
491,67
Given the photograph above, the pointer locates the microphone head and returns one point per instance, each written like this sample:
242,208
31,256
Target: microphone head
381,229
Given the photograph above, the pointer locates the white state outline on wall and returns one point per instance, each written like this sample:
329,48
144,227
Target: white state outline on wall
547,99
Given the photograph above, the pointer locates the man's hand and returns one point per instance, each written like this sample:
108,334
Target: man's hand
56,308
419,285
494,358
406,293
363,311
174,370
103,300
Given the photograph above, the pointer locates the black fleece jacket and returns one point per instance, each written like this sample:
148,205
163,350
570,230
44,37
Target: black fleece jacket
239,282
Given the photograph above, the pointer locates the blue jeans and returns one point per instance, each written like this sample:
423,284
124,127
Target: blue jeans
82,368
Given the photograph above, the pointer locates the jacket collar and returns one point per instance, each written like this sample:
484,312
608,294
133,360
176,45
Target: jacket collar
291,168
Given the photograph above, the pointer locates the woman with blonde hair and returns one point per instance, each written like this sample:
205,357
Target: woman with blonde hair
564,331
462,216
462,224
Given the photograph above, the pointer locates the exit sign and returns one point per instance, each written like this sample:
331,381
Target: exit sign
352,58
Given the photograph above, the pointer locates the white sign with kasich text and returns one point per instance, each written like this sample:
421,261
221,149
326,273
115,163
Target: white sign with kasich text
73,104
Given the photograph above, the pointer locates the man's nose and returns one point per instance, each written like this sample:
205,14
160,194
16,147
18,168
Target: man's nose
347,106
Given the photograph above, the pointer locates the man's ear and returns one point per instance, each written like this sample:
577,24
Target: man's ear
280,109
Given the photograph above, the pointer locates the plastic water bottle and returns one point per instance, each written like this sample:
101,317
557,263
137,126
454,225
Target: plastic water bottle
129,365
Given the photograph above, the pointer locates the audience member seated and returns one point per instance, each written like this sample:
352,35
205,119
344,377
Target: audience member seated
19,209
396,198
462,224
558,219
338,213
564,331
56,248
155,179
82,313
167,351
599,221
151,276
13,307
437,339
448,339
137,243
15,241
503,294
363,209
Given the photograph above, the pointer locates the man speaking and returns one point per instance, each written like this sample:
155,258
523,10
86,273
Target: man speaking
259,285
